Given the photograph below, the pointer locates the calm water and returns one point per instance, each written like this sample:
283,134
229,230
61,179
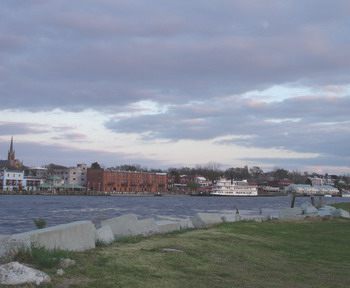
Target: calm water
17,212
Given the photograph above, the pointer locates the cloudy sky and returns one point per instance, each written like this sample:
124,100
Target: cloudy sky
177,83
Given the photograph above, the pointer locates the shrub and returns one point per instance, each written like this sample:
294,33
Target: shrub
40,223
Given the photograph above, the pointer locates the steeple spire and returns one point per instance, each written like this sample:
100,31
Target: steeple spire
11,146
11,154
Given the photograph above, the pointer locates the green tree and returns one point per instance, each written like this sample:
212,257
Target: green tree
193,186
95,165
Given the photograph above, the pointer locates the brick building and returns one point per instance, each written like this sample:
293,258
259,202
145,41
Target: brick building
126,182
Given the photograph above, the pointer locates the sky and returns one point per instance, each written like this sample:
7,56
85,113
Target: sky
177,83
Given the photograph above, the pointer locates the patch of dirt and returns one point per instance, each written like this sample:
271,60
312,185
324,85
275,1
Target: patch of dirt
71,281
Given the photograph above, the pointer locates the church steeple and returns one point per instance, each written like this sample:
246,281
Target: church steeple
11,154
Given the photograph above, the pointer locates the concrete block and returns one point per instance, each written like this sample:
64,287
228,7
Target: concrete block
231,218
105,234
308,208
75,236
255,218
340,213
166,226
290,213
124,226
203,220
186,224
326,210
148,227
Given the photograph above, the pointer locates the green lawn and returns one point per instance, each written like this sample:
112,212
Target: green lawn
314,252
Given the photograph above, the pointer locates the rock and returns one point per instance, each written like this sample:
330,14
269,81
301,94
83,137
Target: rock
65,262
10,246
203,220
170,250
148,227
105,234
124,226
60,272
15,273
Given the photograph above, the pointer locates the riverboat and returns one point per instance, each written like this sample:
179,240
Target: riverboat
225,187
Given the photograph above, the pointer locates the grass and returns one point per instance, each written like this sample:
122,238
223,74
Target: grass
313,252
41,257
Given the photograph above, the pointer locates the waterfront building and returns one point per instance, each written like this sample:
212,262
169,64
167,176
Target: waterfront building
304,189
70,176
55,184
11,180
126,182
281,184
320,181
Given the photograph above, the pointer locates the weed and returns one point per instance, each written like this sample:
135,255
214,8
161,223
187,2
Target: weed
41,256
100,243
40,223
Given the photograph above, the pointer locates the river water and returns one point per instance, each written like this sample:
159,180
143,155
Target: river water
18,211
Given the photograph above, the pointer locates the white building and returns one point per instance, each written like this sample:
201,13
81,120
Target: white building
11,180
71,176
304,189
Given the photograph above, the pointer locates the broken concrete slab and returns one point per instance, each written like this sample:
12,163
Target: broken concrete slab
15,273
104,235
166,226
184,223
340,213
325,210
148,227
309,209
203,220
291,213
231,218
75,236
123,226
256,218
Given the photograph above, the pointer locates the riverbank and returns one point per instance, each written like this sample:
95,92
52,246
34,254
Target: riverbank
312,252
18,211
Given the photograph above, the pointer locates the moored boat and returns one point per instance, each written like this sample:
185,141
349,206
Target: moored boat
225,187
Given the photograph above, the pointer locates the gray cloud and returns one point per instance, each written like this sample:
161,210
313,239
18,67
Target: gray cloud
313,124
16,128
196,58
33,153
73,54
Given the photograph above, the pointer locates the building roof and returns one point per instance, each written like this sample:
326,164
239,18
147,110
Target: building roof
53,178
